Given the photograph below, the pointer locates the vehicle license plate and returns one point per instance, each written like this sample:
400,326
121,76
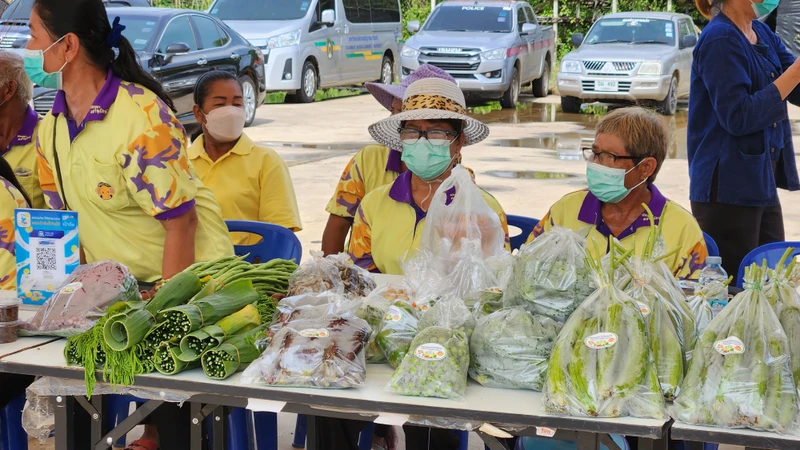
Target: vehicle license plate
606,86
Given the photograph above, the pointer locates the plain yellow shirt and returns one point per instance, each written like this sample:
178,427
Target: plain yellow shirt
250,183
126,170
21,156
10,199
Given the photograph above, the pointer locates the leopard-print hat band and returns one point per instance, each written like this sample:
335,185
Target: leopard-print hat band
426,101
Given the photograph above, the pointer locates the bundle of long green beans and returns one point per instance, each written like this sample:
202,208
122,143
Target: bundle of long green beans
215,302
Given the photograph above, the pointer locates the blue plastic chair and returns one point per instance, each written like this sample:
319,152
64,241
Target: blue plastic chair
276,241
711,246
12,435
526,225
771,252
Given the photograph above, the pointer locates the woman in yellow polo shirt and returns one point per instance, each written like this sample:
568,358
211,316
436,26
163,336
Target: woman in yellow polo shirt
627,154
112,150
250,182
12,196
372,167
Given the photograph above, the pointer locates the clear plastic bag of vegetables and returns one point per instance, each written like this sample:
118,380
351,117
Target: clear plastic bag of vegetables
327,352
485,302
312,305
550,276
332,272
82,300
437,362
449,312
740,375
396,331
510,348
601,364
373,311
670,324
781,292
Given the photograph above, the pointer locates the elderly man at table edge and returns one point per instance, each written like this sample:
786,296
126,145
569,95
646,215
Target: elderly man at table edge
628,151
19,124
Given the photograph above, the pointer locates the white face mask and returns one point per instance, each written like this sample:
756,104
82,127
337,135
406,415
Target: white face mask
225,124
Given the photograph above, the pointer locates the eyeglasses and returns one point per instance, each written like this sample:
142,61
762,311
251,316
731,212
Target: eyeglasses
435,137
605,157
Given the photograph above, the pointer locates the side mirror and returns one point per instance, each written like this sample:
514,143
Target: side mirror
688,41
328,17
413,26
175,48
529,28
576,39
20,43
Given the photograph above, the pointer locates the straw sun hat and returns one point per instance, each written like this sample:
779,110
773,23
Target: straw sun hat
386,93
429,99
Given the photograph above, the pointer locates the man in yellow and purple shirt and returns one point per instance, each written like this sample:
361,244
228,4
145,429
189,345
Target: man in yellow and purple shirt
372,167
18,126
626,156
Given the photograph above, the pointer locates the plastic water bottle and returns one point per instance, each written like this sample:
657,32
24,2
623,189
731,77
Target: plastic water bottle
714,272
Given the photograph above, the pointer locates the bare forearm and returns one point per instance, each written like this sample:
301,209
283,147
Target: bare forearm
179,243
335,235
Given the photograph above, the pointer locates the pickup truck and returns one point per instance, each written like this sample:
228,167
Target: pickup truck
491,48
634,57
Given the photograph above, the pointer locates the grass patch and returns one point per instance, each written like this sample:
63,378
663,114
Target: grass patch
595,110
486,108
277,98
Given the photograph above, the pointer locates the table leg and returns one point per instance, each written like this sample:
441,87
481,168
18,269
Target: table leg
196,433
588,441
218,419
311,433
64,408
657,444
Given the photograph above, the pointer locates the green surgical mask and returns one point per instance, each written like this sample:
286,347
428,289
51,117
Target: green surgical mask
426,160
608,183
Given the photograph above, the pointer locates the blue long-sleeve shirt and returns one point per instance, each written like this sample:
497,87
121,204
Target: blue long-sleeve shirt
737,119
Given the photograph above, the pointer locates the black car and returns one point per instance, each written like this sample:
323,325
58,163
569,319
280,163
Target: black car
178,46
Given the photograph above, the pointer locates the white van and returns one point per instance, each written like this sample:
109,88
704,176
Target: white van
312,44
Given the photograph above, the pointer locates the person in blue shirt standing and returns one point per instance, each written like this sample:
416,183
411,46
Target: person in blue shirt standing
739,136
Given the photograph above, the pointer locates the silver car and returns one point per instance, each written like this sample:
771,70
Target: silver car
312,44
643,57
492,48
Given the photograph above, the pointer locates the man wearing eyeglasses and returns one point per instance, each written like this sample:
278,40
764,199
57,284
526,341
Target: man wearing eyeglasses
629,147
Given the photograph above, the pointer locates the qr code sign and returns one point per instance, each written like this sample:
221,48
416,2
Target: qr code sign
46,258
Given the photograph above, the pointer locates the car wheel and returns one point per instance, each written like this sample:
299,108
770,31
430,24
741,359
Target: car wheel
511,96
541,87
571,105
387,71
308,85
669,105
250,99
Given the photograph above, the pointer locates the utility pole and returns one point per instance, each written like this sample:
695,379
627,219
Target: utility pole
669,5
613,6
555,20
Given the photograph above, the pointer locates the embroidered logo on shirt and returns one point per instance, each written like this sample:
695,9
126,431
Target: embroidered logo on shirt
97,110
104,191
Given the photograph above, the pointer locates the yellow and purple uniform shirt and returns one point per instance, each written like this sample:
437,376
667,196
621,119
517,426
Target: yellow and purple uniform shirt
250,183
125,169
10,199
372,167
580,211
388,223
21,156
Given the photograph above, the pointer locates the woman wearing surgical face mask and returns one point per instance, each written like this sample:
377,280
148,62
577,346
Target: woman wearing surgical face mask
250,182
739,137
621,166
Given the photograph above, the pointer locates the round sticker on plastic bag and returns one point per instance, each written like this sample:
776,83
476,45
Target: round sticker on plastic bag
314,332
72,287
430,352
643,308
601,340
730,346
393,314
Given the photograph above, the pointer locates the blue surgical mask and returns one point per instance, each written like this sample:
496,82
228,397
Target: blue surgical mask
426,160
765,8
34,67
608,183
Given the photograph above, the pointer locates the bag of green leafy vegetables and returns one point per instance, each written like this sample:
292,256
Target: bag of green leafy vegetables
740,375
397,330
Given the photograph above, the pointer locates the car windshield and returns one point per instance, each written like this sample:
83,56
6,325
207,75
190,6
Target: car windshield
138,30
260,9
19,10
493,19
632,31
